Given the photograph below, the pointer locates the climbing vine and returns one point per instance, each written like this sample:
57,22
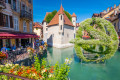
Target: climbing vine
103,39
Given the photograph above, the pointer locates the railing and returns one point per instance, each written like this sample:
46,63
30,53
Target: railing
2,3
14,76
25,14
20,55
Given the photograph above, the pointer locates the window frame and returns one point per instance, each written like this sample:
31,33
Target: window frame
24,26
16,23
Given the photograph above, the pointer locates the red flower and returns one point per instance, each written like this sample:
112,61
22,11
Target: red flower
28,71
45,70
40,75
19,73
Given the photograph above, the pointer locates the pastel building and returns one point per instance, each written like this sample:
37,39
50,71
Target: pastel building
16,23
60,30
38,29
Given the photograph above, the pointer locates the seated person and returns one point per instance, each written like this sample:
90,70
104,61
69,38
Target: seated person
4,49
13,47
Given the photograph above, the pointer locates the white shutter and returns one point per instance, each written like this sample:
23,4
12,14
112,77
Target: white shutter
12,4
18,6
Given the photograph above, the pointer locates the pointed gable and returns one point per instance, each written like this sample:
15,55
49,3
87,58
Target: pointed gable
73,15
55,19
61,11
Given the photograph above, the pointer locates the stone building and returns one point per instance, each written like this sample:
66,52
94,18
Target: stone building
38,29
60,30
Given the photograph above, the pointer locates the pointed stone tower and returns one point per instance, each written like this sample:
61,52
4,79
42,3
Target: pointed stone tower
61,19
74,19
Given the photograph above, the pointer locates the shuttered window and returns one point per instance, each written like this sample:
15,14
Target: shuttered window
24,27
16,23
1,19
11,22
18,6
30,27
5,20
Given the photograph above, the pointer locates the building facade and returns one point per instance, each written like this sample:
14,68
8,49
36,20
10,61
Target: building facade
38,29
113,15
60,30
16,23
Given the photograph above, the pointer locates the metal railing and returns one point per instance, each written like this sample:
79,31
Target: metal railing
13,76
2,3
25,14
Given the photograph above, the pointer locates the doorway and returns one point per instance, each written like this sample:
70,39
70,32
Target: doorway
24,42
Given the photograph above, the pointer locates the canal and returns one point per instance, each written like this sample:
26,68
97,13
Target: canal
110,70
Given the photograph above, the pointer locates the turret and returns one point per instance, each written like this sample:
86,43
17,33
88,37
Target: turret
44,24
61,19
74,19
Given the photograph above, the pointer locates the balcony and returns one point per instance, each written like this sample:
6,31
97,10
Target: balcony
2,4
25,15
30,1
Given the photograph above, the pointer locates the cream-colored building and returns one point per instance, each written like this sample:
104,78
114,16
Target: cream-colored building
16,23
38,29
60,30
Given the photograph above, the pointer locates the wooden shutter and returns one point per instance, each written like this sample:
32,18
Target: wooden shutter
11,22
1,19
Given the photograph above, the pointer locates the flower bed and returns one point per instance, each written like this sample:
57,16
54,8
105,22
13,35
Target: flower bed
2,55
39,70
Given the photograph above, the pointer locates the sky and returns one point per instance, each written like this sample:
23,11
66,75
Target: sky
82,8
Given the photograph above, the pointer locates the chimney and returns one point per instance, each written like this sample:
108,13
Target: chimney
108,9
114,5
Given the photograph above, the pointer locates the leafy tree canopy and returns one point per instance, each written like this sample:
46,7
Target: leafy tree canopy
50,16
68,15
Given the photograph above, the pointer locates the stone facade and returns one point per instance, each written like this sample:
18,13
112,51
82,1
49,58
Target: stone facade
59,35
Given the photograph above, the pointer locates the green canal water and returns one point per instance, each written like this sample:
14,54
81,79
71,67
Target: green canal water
110,70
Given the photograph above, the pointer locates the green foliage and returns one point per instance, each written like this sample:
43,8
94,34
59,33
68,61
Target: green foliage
100,41
37,63
50,16
68,15
61,72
